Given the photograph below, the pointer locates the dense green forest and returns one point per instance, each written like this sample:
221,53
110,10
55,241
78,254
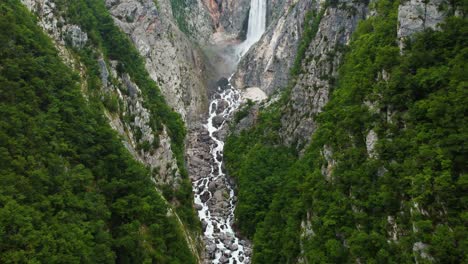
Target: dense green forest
417,176
70,192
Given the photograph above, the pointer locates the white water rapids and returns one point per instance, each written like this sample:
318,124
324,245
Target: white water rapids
218,228
222,243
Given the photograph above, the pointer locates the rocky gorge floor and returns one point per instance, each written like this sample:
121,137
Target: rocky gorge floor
214,192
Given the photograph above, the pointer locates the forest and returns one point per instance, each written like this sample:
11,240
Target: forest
414,184
71,193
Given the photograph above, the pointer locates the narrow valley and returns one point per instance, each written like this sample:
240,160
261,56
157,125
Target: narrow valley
233,131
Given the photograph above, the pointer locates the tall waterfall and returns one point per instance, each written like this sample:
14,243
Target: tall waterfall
257,26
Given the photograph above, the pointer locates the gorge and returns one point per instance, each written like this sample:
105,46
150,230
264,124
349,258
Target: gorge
214,193
233,131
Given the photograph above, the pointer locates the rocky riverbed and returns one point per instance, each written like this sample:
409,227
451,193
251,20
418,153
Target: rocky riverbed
214,193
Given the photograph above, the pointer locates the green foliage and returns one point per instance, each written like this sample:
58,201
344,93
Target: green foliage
258,163
111,102
311,25
179,8
418,176
70,192
243,112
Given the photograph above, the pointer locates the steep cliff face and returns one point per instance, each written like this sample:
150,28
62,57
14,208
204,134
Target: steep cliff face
415,16
173,60
229,16
267,63
319,69
130,118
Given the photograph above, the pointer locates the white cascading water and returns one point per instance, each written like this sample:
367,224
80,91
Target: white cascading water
256,28
219,231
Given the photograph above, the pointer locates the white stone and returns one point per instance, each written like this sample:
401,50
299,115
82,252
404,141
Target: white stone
254,94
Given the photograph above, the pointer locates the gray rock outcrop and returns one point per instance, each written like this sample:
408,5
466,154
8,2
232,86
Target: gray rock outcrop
416,15
173,60
320,67
229,16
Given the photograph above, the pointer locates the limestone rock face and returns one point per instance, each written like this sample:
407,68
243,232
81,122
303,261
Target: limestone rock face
320,67
135,128
417,15
54,25
229,16
267,63
172,59
371,140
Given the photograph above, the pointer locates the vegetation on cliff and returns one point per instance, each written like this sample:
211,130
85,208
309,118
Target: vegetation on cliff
106,37
339,202
70,192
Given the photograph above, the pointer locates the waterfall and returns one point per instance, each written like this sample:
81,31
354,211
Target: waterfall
256,28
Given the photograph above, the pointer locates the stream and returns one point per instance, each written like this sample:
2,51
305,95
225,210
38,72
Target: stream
219,235
213,190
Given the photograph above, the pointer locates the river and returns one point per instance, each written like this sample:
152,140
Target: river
214,193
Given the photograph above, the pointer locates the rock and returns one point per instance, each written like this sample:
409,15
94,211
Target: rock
233,247
218,121
104,72
218,195
204,225
422,250
222,105
198,207
211,250
248,121
416,15
222,84
110,3
212,186
254,94
223,259
219,157
205,196
371,140
131,87
229,16
311,92
76,36
267,63
172,60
